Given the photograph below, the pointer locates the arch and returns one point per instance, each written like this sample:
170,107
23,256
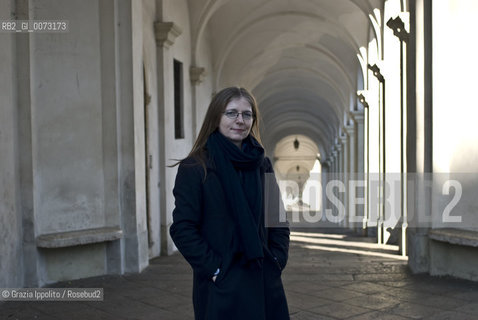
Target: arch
208,10
246,26
277,121
341,69
213,5
297,127
285,86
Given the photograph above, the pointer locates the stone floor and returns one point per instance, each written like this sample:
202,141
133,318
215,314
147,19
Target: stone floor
330,275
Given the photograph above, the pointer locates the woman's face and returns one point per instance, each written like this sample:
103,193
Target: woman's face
236,129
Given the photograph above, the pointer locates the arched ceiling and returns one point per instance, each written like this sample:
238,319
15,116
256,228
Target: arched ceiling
299,58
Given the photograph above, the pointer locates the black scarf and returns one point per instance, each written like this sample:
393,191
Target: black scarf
239,173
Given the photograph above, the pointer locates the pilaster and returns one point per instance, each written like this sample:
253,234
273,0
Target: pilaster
345,175
361,161
352,175
350,130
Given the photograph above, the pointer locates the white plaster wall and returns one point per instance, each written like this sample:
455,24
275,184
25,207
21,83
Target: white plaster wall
69,266
67,119
455,107
11,264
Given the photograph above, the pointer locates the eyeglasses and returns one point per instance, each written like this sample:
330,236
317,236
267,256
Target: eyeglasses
233,114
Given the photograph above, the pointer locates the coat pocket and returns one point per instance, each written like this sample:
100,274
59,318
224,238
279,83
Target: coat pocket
273,260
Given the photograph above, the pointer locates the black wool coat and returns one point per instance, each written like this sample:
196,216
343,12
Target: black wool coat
204,232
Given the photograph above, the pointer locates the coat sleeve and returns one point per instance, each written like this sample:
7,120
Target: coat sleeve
278,233
187,217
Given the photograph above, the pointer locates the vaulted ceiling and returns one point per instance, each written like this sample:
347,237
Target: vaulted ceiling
299,58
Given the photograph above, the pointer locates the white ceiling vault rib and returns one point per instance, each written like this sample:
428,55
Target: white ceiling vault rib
280,116
200,12
285,35
339,81
325,53
275,122
300,58
315,104
318,83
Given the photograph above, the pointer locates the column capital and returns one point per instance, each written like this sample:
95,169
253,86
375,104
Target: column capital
166,33
343,138
197,74
350,130
358,115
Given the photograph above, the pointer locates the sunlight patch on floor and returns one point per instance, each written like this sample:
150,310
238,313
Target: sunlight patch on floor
357,244
333,243
360,252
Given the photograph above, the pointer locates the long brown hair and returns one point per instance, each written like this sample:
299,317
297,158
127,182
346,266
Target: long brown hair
213,117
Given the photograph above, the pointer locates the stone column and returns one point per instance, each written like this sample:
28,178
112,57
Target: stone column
131,142
350,130
361,161
18,250
345,176
419,131
326,165
331,163
361,143
335,163
337,153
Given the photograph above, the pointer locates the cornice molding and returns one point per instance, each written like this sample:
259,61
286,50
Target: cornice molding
166,33
197,74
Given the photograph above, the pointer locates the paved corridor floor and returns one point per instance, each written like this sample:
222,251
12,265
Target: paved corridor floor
329,276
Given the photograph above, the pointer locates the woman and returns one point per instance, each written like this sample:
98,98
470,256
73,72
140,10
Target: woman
220,212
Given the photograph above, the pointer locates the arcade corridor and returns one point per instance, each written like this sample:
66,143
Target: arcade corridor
368,114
